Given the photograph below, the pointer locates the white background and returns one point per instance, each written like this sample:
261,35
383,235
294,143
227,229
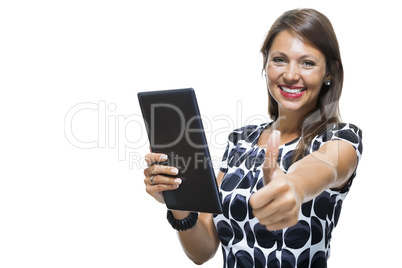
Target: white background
65,206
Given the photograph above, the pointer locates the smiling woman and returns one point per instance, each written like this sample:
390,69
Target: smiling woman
312,31
295,74
282,183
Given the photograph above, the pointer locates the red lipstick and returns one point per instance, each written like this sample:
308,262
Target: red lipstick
292,92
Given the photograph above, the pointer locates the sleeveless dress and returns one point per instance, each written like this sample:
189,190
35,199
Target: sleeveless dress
245,242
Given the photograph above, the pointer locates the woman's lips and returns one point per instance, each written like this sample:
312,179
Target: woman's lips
292,92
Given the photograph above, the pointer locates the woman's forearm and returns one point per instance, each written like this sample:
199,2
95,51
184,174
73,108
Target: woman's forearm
330,167
201,242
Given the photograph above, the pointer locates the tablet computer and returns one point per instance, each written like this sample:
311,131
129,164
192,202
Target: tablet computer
174,126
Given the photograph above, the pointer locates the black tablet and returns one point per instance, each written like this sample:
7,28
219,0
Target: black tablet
174,128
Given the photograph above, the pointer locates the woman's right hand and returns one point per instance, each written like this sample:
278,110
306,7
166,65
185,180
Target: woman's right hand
156,180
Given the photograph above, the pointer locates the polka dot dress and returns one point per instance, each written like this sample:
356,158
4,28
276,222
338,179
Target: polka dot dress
245,242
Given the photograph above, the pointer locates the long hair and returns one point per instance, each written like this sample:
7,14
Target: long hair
315,29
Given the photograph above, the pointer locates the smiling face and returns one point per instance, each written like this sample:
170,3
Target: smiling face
296,72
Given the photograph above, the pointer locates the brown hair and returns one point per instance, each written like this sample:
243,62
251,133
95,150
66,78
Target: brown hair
315,29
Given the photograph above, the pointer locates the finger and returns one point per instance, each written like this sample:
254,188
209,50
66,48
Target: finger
261,198
272,151
265,213
271,156
278,206
160,179
281,224
157,189
281,219
276,212
267,195
152,158
160,169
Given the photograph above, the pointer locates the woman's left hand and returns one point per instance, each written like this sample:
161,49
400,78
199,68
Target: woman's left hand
277,204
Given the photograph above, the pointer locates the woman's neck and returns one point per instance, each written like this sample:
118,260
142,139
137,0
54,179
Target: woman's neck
288,124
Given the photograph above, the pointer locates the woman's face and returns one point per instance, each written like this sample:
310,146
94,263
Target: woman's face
295,73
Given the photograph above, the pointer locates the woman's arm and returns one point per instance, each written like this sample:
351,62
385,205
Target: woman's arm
199,243
277,205
329,167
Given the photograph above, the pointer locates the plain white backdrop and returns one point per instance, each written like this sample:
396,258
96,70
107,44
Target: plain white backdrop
73,140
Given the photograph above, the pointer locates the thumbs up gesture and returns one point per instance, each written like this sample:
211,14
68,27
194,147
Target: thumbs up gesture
277,204
270,165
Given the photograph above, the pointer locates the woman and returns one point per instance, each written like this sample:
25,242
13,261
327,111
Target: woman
282,183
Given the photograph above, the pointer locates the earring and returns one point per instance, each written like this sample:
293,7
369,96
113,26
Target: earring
328,83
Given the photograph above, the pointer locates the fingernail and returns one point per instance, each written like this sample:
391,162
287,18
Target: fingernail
174,171
163,157
177,181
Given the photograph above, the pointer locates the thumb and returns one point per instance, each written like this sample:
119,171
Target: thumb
271,156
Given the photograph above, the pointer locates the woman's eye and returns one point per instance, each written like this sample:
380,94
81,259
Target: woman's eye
308,63
278,60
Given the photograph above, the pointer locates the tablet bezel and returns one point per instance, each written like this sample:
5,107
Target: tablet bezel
199,190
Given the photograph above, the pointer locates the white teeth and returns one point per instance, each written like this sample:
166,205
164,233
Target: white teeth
292,91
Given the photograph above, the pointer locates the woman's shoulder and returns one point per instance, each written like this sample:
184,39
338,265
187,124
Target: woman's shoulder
248,133
345,131
348,132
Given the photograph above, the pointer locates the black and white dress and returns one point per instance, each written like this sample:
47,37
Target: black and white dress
245,242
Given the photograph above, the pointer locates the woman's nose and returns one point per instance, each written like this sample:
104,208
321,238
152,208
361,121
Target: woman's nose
292,72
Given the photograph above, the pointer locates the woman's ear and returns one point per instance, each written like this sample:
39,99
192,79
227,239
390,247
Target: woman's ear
330,68
327,79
